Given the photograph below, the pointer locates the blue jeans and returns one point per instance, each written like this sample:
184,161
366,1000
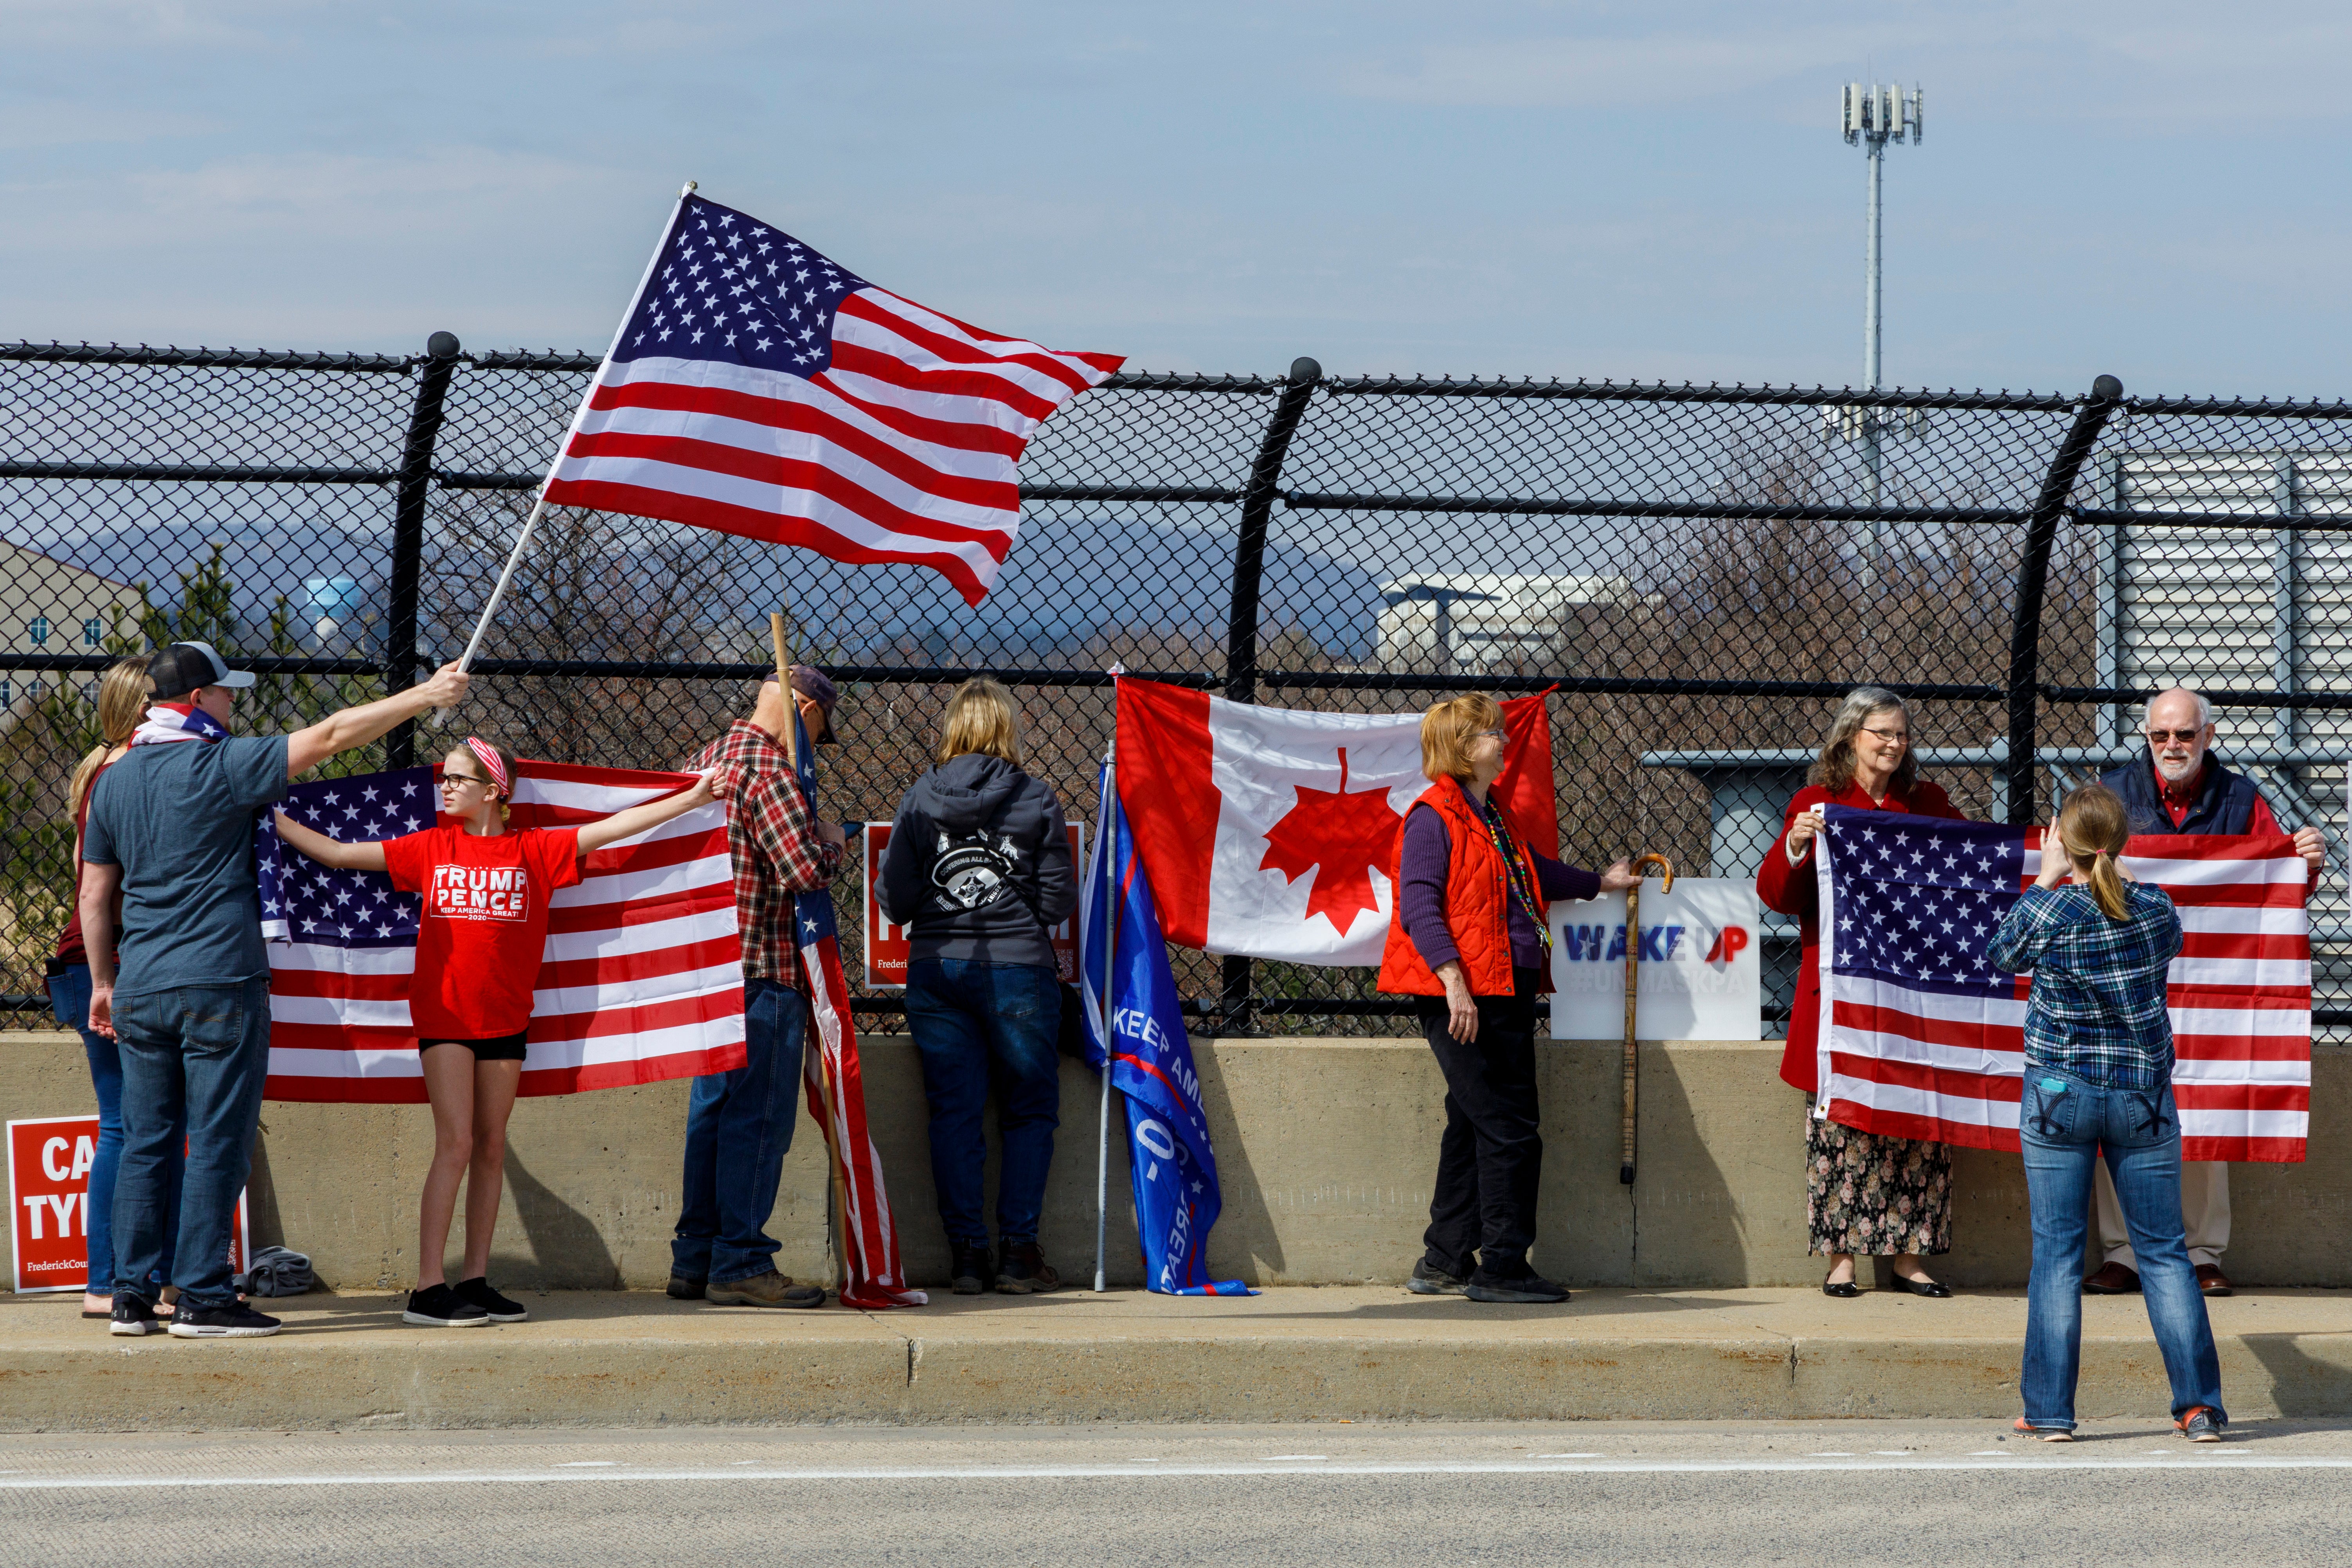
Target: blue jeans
2064,1123
197,1058
739,1126
976,1025
69,1000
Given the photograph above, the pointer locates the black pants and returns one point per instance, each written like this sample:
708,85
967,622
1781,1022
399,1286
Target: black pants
1491,1159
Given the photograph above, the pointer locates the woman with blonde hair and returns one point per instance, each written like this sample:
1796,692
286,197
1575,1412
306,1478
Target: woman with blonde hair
1867,1192
122,696
1469,938
978,870
2098,1084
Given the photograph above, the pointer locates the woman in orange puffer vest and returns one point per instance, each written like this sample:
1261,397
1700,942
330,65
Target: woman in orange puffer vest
1468,937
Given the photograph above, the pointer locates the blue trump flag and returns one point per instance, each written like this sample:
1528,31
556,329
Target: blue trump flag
1123,956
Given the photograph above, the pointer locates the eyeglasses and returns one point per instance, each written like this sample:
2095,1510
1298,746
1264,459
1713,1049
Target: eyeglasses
449,778
2161,736
1892,737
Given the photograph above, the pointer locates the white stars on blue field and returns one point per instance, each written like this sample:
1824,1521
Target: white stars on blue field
1913,900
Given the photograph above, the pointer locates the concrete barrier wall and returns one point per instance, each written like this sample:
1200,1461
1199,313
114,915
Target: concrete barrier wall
1325,1147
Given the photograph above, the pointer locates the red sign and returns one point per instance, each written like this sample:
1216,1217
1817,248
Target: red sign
48,1203
885,944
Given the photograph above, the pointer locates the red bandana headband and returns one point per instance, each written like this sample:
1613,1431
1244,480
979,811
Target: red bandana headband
487,755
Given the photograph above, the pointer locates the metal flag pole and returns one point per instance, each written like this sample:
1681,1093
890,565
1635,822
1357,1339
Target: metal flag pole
530,523
1103,829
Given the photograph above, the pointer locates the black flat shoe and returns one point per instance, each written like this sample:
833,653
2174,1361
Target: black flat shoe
1930,1287
1844,1290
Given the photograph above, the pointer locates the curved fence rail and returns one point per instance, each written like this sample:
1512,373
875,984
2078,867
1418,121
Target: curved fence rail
1696,573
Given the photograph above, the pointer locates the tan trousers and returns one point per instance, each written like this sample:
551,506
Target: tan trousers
2204,1212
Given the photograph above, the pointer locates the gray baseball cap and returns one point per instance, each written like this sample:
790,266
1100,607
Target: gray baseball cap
184,666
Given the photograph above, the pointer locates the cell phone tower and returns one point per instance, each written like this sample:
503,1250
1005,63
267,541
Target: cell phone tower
1871,117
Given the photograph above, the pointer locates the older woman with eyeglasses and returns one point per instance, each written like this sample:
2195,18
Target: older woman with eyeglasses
1864,1193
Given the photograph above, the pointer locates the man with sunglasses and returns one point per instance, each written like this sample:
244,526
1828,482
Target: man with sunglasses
2175,787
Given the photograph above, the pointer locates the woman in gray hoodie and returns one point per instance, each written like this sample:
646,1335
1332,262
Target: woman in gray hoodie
978,870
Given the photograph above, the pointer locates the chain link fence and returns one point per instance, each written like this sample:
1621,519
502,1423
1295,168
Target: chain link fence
1697,575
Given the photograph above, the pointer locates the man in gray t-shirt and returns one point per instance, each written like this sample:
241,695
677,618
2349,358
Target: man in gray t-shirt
170,826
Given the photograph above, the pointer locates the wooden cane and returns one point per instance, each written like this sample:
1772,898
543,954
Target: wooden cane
1633,993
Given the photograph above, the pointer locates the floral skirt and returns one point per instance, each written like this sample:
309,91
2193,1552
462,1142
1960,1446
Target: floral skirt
1875,1196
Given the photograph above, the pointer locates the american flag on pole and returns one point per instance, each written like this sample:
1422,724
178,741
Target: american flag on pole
642,977
1920,1038
871,1274
759,389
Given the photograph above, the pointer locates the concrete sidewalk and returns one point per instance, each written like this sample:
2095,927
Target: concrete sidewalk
637,1359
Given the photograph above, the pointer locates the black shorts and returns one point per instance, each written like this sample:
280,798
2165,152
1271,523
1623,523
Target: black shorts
503,1049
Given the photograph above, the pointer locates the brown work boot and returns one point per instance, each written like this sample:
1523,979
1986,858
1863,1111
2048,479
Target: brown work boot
1025,1272
2211,1281
769,1289
2112,1279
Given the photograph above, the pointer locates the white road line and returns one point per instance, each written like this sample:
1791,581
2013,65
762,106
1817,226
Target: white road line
1088,1472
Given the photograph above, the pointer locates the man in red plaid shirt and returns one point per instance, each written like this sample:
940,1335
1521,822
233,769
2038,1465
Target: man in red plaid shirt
738,1124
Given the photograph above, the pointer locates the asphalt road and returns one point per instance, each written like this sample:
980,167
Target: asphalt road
2278,1493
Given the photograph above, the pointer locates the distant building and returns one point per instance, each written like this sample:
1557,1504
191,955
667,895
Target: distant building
1484,623
49,606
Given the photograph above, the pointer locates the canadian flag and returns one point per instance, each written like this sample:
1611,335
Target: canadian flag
1268,832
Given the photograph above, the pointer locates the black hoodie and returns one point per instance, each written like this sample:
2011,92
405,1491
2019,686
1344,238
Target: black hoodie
979,864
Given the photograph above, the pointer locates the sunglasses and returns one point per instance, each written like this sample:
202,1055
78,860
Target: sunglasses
2161,736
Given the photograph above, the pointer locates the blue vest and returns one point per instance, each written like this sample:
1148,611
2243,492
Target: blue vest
2224,803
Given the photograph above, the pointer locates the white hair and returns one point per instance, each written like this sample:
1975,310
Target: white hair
2204,708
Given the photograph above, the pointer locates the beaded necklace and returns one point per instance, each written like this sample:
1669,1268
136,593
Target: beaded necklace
1515,870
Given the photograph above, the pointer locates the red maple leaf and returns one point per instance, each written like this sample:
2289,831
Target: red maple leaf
1341,838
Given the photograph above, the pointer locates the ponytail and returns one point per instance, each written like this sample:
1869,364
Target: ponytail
2107,885
2092,830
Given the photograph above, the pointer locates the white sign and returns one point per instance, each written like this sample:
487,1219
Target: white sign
1700,977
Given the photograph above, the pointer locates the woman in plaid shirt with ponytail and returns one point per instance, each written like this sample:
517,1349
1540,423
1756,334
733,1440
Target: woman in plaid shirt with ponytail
2098,1083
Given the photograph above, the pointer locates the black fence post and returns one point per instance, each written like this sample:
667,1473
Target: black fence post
1241,624
2091,417
408,534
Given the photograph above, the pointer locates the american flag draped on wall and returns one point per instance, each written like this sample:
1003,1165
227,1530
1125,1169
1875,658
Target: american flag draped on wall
1922,1038
758,388
642,977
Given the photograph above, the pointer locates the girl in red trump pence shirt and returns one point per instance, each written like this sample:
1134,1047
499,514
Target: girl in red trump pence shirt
478,942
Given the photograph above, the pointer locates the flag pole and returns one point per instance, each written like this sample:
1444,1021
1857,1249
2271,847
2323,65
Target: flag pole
837,1219
1110,950
530,523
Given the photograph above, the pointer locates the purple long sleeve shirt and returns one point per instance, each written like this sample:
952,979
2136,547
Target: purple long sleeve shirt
1426,857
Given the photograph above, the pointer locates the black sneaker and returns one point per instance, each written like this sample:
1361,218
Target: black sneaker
687,1287
235,1321
477,1291
969,1274
1025,1272
133,1316
1525,1288
438,1307
1428,1280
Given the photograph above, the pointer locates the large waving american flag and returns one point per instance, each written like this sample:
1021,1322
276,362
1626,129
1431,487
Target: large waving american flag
1922,1038
759,389
641,978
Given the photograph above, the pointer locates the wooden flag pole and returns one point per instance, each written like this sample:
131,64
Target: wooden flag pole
837,1215
1632,994
792,736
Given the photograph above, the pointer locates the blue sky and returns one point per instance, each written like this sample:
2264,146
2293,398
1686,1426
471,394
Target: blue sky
1610,191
